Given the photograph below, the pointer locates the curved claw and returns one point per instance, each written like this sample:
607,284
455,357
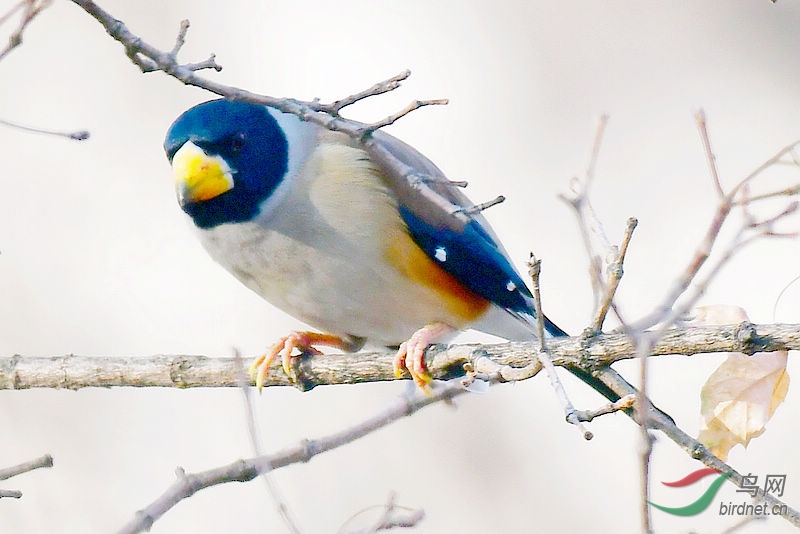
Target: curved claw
411,354
285,346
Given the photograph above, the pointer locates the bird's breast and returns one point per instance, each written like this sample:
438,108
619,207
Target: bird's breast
337,255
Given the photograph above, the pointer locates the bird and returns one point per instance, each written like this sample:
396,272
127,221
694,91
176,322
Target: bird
330,233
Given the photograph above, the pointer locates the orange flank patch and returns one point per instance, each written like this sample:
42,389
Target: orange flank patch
461,302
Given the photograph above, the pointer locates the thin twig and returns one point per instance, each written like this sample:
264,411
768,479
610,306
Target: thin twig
700,118
743,522
600,128
477,208
690,298
272,489
209,63
660,421
437,180
38,463
387,85
245,470
534,270
393,516
30,10
623,403
765,224
615,272
180,39
78,135
10,13
9,472
644,343
368,129
774,160
664,311
588,222
787,192
402,517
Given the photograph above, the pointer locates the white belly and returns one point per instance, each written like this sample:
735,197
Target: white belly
318,255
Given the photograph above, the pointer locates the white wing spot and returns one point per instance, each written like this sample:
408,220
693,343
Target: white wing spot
511,286
440,254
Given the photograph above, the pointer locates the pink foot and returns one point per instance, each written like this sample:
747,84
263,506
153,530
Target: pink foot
411,354
302,341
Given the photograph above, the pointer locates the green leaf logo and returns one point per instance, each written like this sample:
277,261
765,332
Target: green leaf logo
705,499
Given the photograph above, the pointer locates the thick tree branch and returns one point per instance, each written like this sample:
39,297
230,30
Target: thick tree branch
501,360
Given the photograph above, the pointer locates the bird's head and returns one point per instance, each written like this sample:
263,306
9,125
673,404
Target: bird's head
227,158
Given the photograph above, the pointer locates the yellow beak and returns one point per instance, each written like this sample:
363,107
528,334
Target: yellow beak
198,176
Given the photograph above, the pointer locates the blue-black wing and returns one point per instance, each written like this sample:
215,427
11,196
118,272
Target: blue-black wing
462,243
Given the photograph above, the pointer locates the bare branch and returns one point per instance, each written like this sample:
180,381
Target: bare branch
660,421
188,484
477,208
615,272
44,461
777,158
534,270
209,63
182,371
368,129
588,223
644,341
700,117
787,192
437,180
30,10
765,224
272,488
389,84
393,516
180,39
666,311
600,129
747,520
612,407
78,135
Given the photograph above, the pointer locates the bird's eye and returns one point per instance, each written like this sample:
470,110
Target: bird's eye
237,142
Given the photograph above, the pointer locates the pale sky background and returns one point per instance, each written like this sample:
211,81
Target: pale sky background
96,258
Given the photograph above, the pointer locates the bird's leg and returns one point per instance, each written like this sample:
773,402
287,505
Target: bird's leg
411,354
302,341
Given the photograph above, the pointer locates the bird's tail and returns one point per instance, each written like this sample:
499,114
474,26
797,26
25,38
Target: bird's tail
592,381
